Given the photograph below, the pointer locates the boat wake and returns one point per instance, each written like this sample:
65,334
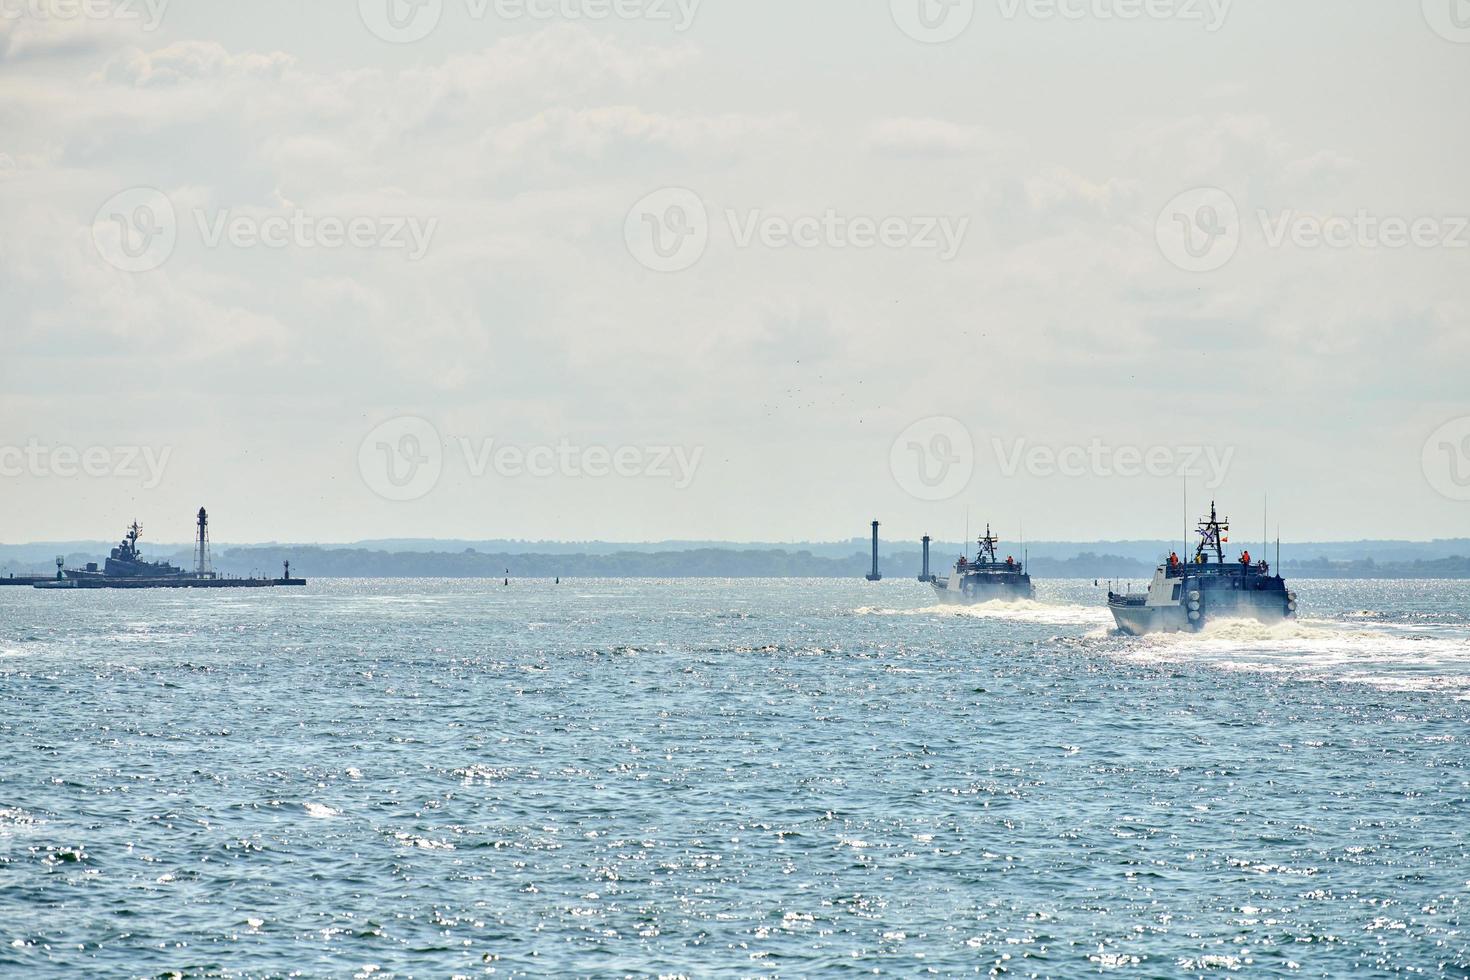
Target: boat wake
1390,658
1011,610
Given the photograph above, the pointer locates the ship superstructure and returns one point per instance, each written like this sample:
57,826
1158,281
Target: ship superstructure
1185,596
986,578
126,561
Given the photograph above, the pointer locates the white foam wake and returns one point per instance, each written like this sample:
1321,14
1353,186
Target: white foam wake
1386,657
1012,610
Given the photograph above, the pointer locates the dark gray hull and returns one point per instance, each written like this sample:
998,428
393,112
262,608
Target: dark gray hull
978,589
173,582
1261,607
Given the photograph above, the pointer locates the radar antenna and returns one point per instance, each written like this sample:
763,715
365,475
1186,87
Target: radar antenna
987,553
129,547
1214,534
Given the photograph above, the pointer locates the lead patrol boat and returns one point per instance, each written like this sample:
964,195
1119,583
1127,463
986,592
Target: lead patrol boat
1185,596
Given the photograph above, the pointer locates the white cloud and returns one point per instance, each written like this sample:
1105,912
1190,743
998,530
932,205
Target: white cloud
904,137
29,38
191,62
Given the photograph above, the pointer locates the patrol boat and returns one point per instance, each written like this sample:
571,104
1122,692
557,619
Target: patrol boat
1184,596
985,579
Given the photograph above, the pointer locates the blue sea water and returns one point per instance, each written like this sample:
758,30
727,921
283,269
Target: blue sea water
429,778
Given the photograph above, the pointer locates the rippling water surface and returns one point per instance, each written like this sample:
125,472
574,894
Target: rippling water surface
738,778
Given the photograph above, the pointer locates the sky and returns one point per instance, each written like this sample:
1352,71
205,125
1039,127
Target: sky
756,270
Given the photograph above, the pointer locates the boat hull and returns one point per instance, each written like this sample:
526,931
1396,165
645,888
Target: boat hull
1142,620
173,582
976,589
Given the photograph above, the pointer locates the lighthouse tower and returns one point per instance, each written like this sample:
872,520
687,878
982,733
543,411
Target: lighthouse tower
201,547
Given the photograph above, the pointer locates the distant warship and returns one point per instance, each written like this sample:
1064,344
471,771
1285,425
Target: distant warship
126,561
985,579
1184,596
125,568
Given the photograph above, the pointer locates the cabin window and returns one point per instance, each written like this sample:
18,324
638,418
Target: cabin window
1177,587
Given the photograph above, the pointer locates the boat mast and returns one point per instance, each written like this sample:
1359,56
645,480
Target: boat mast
1212,536
987,548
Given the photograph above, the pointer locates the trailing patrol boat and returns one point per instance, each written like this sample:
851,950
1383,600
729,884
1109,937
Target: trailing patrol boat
985,579
1183,597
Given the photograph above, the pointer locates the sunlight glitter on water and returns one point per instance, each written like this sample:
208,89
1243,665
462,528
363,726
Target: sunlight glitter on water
673,777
